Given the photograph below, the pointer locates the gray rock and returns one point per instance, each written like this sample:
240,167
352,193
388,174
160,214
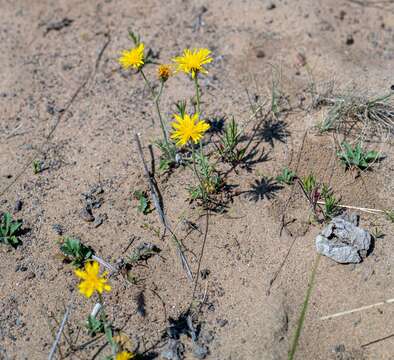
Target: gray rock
173,350
200,351
86,215
343,241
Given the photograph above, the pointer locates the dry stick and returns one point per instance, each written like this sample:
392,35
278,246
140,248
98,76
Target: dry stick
59,333
59,117
377,340
202,253
371,211
162,217
342,313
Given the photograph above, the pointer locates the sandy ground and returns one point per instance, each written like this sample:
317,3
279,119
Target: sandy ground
65,101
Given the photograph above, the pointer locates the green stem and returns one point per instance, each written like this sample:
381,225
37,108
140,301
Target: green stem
197,174
301,320
156,100
107,327
197,93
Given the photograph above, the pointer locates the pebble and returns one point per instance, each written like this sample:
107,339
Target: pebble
260,54
200,352
30,275
271,6
222,322
349,40
58,229
18,206
86,215
99,220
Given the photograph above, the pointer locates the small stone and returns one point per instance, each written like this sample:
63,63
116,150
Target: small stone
200,352
58,229
204,273
99,220
342,15
349,40
18,206
260,54
271,6
222,322
30,275
86,215
339,348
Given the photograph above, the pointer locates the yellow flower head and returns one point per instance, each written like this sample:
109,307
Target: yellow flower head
192,61
133,58
124,355
91,280
188,127
164,71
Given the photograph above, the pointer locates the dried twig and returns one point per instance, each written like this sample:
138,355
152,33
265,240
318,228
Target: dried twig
371,211
156,200
362,308
59,333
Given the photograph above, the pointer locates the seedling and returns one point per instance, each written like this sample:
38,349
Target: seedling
356,157
286,177
389,215
76,252
330,208
209,180
144,205
229,142
37,166
9,230
309,184
95,326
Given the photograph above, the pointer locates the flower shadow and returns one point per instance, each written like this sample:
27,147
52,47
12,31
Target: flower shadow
264,188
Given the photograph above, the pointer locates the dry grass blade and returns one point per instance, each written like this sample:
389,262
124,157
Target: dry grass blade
59,333
159,209
374,115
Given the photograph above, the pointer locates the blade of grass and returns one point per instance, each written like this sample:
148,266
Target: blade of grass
304,309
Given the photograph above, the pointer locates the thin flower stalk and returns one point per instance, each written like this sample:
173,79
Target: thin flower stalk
156,100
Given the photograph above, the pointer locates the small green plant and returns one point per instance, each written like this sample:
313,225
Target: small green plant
209,180
229,142
377,233
144,205
309,184
95,326
330,207
286,177
356,157
37,166
389,215
75,251
9,230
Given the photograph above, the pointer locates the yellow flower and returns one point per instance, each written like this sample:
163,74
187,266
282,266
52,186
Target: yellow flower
91,280
187,128
164,71
124,355
133,58
192,61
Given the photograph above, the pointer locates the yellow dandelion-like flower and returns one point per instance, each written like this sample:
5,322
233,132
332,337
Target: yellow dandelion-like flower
133,58
192,61
164,71
188,127
91,279
124,355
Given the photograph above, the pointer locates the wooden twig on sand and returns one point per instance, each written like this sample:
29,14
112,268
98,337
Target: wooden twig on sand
159,209
371,211
59,333
362,308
